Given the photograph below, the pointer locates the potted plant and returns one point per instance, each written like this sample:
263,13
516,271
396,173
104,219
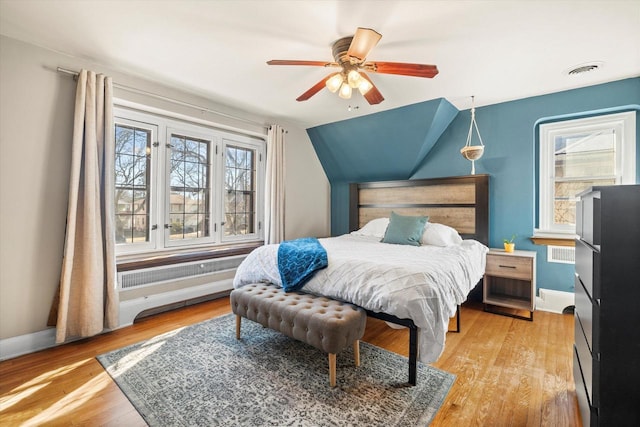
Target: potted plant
509,244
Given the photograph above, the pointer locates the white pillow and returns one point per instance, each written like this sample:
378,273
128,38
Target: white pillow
440,235
375,227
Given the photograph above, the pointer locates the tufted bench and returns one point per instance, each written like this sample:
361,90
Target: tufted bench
326,324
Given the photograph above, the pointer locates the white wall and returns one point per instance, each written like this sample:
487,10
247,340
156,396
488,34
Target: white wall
36,111
308,194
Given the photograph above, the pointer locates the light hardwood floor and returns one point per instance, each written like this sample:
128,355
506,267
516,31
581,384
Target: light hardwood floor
510,372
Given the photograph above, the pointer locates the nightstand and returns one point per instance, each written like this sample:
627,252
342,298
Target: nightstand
510,282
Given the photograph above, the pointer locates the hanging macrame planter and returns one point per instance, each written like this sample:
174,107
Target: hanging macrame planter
472,152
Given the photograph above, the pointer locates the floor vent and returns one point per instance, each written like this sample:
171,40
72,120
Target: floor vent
152,276
561,254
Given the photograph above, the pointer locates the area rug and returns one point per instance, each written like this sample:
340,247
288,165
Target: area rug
200,375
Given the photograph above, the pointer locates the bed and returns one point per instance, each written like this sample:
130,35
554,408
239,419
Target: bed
419,287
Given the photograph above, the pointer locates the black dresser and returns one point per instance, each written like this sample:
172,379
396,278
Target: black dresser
606,362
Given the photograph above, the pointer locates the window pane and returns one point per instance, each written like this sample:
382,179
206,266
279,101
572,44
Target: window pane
191,203
588,154
132,168
203,226
124,139
124,200
192,151
140,172
142,141
203,176
124,166
240,191
176,229
124,232
177,173
189,177
176,201
564,210
190,226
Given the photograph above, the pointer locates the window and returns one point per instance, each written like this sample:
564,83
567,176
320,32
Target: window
578,154
182,185
190,190
240,193
132,182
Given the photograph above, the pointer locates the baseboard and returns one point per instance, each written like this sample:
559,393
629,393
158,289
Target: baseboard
554,301
28,343
129,310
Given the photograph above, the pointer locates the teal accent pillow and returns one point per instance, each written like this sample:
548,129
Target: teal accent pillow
405,230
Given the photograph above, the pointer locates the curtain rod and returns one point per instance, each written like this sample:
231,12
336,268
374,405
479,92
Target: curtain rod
172,100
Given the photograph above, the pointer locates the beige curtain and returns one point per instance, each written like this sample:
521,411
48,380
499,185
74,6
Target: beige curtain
274,199
88,300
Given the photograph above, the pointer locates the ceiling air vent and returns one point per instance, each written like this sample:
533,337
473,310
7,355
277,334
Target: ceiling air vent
584,68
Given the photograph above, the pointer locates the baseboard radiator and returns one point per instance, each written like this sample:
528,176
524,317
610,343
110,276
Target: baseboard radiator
165,285
157,275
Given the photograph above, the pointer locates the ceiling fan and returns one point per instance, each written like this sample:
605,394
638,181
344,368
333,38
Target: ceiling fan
350,54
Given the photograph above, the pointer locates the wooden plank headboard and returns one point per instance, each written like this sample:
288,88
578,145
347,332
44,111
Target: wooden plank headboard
461,202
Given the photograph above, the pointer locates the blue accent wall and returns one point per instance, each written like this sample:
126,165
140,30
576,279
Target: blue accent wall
383,146
509,133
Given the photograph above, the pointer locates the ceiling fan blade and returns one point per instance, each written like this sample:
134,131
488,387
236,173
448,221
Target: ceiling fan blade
295,62
315,88
363,41
373,96
402,68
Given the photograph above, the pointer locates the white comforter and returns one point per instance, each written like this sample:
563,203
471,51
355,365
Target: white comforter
422,283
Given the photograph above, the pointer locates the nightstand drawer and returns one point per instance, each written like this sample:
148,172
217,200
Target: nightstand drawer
509,266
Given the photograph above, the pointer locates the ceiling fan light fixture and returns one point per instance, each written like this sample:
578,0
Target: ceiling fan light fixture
349,54
364,86
353,78
345,91
334,83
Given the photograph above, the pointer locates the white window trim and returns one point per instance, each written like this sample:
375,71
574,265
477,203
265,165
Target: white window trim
625,126
165,121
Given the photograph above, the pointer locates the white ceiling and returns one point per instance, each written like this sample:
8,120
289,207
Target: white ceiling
495,50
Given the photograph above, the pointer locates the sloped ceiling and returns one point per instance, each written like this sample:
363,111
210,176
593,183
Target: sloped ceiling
382,146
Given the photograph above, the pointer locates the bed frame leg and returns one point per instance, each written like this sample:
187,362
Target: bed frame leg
356,352
413,354
457,329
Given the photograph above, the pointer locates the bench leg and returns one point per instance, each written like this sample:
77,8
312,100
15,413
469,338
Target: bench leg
332,369
356,352
238,323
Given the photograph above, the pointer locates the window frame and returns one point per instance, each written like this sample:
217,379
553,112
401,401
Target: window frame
624,125
151,244
196,133
165,124
239,141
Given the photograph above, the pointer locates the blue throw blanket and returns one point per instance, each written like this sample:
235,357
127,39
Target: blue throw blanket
298,260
